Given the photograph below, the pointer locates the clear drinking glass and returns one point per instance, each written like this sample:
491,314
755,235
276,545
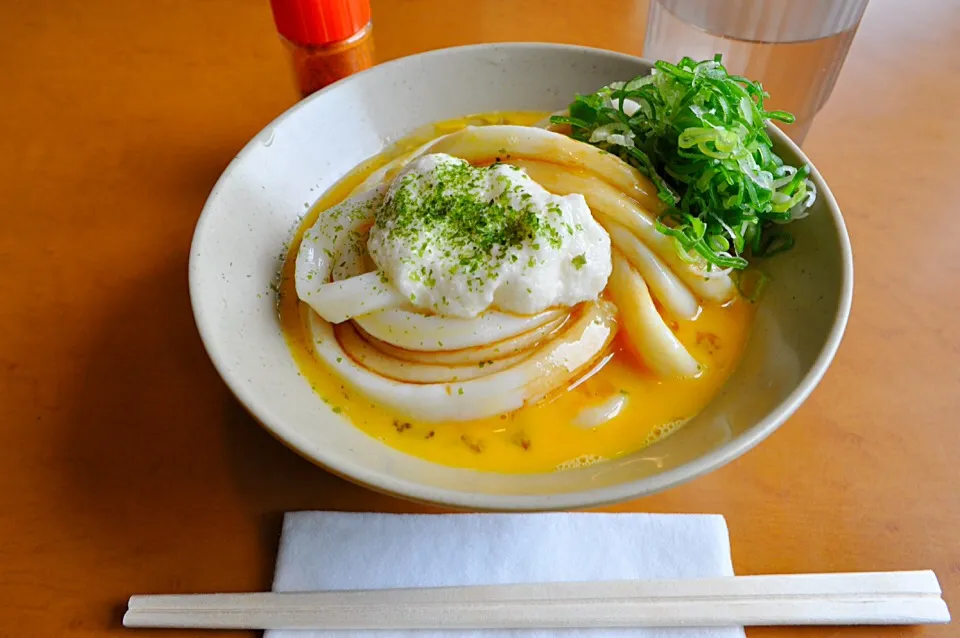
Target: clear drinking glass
795,48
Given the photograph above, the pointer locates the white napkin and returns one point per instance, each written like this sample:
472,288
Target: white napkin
333,550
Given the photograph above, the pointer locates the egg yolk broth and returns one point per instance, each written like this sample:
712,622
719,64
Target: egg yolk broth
542,437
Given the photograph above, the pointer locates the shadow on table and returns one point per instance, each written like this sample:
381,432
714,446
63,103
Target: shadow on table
268,472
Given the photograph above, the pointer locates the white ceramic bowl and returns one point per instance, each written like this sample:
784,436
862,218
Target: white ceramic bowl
255,206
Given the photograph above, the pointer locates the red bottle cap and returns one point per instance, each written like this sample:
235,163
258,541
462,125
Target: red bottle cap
314,22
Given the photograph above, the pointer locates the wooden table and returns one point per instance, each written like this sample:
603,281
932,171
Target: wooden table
126,466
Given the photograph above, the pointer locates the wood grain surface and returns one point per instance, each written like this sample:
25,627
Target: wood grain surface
125,465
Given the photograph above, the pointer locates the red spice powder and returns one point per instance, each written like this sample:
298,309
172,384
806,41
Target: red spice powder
318,66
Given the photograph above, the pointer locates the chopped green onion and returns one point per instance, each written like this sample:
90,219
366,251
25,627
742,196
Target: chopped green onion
751,283
699,134
774,243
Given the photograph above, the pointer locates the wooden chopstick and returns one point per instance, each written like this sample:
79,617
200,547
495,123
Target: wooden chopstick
874,598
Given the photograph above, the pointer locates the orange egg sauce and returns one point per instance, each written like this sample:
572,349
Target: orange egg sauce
539,437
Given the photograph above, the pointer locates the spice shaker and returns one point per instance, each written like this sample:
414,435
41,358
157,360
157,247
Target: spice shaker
327,39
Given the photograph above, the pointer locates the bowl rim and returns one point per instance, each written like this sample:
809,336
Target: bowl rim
387,483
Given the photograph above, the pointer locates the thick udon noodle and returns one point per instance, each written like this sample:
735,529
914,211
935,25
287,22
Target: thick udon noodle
434,369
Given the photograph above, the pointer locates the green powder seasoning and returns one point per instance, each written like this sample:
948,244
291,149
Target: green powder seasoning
452,211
